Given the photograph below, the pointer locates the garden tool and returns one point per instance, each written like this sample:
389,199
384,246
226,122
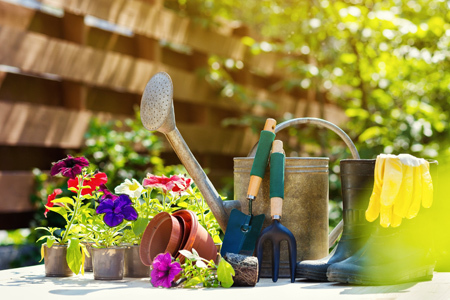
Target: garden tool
277,232
357,177
305,203
242,229
392,255
157,114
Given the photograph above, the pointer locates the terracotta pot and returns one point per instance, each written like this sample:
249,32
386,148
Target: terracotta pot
108,263
163,234
55,261
133,265
198,237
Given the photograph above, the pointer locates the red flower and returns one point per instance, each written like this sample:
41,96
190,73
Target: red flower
162,182
51,197
93,182
175,183
181,183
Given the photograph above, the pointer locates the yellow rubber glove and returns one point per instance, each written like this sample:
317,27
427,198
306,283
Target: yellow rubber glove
402,183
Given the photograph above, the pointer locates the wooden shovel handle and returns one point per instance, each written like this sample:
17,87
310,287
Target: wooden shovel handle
255,181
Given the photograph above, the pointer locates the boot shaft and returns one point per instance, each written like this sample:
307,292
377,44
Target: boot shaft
357,179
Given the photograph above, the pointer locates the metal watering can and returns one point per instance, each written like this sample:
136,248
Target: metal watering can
305,202
157,114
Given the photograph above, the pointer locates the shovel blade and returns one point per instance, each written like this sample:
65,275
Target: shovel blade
242,232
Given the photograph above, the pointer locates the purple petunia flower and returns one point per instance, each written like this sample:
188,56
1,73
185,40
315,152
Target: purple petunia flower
117,210
164,270
69,167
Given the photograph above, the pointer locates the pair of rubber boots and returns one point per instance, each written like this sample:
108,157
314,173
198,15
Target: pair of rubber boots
368,254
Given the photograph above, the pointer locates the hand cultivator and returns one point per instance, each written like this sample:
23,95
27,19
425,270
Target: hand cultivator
277,232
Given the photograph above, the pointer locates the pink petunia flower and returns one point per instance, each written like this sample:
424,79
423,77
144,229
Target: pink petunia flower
175,183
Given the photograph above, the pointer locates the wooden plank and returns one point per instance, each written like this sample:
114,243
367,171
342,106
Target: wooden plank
15,16
23,124
25,158
37,125
156,22
150,20
16,187
31,89
36,53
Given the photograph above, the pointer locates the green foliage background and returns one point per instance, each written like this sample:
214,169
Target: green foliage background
385,63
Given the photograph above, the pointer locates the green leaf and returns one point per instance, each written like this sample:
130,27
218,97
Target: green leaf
42,252
225,273
64,200
357,112
182,204
74,255
372,132
193,281
348,58
59,210
216,239
139,225
50,241
248,41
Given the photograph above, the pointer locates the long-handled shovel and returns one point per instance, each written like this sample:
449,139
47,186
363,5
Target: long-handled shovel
277,232
243,230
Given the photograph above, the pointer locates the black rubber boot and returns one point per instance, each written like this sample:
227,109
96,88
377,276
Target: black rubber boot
390,256
357,179
394,255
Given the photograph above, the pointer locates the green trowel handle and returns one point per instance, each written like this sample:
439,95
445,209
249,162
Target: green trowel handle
261,157
277,162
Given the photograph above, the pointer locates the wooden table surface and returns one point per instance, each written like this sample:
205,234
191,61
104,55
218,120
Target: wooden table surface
30,283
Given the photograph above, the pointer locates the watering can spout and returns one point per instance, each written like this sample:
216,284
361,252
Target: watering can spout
157,114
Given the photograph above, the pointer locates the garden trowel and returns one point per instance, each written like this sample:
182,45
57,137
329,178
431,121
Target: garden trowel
243,230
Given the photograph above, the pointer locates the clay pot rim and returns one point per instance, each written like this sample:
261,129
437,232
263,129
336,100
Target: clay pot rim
149,234
113,247
194,226
56,245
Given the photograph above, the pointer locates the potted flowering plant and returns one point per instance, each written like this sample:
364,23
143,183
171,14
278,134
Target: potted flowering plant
104,227
132,234
63,252
147,207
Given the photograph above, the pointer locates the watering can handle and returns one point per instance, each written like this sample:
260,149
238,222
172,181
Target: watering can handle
334,234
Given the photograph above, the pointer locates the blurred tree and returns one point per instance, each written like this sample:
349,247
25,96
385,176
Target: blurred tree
384,62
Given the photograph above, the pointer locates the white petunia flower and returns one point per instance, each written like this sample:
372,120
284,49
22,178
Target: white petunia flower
130,187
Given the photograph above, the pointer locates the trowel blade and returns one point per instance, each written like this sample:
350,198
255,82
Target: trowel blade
242,232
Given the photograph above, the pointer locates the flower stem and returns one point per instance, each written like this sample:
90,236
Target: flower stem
164,202
75,210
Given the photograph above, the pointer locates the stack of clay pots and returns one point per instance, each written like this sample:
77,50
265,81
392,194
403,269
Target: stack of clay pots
169,233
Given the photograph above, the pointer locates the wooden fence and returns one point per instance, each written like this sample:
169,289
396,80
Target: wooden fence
59,68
